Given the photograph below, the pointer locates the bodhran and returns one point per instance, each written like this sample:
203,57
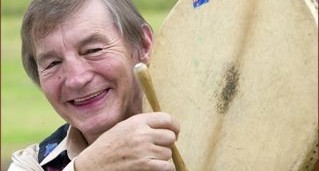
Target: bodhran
242,79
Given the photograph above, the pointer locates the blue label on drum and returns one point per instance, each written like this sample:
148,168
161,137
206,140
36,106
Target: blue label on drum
197,3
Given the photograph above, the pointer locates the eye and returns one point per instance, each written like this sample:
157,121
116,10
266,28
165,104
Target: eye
90,51
52,64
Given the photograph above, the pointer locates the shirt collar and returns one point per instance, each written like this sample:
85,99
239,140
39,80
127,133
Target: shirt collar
74,143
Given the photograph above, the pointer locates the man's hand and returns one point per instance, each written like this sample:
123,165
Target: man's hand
140,143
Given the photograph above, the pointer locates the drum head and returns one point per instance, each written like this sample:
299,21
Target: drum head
242,79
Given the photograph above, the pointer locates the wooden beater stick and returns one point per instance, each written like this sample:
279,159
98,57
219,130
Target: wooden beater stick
145,81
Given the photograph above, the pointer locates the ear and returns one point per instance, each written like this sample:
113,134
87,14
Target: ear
146,49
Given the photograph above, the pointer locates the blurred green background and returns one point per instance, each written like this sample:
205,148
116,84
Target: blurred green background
26,116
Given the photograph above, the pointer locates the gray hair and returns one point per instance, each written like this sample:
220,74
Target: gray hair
43,16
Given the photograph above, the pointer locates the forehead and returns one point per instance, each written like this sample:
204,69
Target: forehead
92,17
75,12
94,10
44,16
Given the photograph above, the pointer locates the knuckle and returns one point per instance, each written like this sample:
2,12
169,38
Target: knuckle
168,166
138,118
166,118
164,153
160,166
171,137
143,137
137,140
144,164
167,154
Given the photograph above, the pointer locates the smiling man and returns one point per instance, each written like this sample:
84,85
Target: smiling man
81,54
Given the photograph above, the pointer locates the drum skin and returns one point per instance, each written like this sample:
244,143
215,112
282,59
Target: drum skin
241,77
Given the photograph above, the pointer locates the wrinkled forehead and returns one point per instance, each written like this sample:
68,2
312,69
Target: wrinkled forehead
64,13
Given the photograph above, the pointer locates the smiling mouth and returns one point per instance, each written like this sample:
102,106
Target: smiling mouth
89,99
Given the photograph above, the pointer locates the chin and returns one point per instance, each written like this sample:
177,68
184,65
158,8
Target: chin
99,125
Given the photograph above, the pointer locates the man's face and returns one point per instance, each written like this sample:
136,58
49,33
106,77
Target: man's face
85,71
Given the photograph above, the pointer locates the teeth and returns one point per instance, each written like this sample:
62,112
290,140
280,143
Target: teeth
87,98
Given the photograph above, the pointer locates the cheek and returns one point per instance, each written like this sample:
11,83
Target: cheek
50,88
116,71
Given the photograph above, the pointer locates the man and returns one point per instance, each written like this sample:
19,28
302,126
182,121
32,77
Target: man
81,53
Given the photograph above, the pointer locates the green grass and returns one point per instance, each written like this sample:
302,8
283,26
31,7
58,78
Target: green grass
9,7
26,115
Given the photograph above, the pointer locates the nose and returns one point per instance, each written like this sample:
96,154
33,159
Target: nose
77,73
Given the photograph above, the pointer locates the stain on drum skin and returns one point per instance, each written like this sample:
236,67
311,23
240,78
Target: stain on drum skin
229,88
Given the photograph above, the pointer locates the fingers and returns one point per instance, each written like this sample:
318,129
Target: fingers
161,153
141,143
161,165
163,137
162,120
